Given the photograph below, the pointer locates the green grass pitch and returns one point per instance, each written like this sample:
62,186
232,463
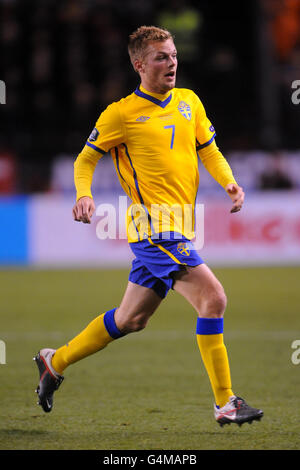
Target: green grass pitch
148,390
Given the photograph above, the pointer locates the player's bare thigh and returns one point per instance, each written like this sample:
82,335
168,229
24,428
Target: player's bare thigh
137,306
200,287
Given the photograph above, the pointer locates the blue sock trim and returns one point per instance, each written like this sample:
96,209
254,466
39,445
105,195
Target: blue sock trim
110,324
209,326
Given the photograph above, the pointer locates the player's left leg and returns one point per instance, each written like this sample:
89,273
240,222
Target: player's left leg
205,293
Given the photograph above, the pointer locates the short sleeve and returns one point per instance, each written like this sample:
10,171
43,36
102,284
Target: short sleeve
108,132
205,131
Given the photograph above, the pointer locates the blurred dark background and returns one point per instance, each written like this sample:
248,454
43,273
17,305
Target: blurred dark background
64,61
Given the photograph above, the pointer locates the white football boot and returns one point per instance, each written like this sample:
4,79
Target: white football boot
50,380
237,411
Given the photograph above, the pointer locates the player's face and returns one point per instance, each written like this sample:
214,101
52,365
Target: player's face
158,67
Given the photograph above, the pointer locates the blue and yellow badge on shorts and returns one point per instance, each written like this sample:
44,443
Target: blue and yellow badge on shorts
156,261
183,248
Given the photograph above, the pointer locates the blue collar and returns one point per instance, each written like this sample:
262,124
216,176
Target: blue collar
160,103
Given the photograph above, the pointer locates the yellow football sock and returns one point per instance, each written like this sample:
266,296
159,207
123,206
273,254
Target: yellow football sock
94,337
214,356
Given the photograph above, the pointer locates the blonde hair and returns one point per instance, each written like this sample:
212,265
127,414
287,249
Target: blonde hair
139,40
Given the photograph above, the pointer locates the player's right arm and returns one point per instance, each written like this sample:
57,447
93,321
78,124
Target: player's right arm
107,133
84,209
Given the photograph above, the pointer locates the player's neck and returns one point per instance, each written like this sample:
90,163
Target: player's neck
154,93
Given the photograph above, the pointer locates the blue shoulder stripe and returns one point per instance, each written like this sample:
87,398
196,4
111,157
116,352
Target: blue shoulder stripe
95,148
201,146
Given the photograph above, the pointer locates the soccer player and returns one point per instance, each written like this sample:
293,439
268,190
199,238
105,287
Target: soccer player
155,136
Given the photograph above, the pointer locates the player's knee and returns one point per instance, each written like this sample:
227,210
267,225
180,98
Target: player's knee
217,302
214,304
137,323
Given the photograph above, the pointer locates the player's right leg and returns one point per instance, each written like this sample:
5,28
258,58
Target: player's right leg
137,305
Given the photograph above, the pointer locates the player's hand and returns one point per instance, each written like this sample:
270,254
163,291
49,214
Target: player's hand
237,196
83,210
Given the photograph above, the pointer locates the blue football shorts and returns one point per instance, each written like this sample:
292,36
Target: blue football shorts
156,262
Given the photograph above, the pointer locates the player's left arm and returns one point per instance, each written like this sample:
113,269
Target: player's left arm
213,160
217,165
237,195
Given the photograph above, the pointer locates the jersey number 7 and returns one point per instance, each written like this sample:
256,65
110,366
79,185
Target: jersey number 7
173,133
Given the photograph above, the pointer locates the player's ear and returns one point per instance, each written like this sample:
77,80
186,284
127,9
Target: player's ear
138,65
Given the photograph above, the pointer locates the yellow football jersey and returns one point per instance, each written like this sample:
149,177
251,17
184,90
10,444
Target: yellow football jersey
153,140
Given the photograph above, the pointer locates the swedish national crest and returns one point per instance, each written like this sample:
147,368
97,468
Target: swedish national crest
185,110
183,248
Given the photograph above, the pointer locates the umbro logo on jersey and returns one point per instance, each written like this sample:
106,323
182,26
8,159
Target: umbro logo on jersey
142,118
185,110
